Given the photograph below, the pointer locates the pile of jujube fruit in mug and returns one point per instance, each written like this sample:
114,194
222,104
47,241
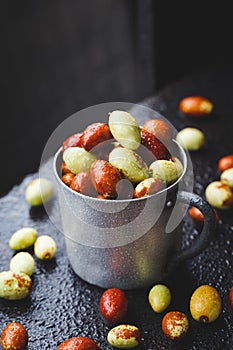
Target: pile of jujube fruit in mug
96,160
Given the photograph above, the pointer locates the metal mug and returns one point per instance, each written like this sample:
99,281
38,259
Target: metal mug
124,243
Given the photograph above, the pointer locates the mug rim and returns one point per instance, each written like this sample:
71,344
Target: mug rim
173,185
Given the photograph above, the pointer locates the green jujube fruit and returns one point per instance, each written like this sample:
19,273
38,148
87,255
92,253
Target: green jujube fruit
23,238
124,336
14,286
22,262
39,191
191,139
125,129
129,163
159,297
78,159
166,170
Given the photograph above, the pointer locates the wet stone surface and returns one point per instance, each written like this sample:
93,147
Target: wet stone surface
61,305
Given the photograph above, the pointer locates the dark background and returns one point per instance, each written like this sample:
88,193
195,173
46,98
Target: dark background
59,56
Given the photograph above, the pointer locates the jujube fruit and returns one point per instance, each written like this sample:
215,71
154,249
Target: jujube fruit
113,305
205,304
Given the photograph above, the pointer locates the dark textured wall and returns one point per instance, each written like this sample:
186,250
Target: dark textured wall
190,36
60,56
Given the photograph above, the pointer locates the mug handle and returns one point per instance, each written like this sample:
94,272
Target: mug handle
206,234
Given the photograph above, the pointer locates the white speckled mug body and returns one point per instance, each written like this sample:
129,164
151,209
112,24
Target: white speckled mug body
122,243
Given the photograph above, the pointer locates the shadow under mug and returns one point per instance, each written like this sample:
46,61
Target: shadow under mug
124,243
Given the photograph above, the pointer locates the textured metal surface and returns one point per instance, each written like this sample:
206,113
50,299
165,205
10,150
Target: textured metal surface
124,243
61,305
